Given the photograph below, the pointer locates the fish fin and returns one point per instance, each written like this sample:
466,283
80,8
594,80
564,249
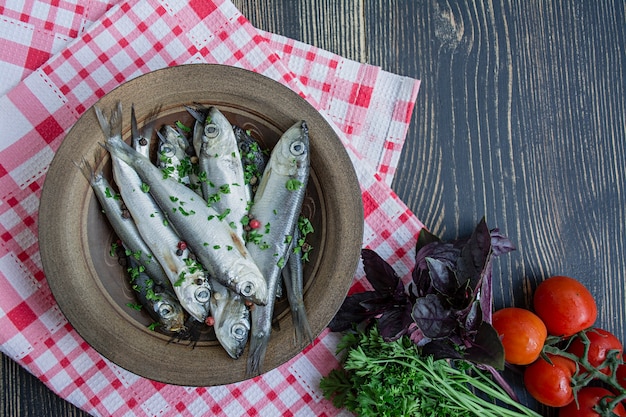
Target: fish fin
113,126
133,124
199,113
256,354
303,332
104,122
116,120
88,171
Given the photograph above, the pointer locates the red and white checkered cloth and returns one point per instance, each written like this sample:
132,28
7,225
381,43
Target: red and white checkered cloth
57,58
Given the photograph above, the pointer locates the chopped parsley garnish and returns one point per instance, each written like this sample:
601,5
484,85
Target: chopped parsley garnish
182,127
223,215
134,306
293,184
180,280
113,250
145,187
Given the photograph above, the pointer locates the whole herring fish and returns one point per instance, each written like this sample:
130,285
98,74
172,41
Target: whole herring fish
187,277
226,257
293,277
277,206
220,161
123,225
231,319
156,299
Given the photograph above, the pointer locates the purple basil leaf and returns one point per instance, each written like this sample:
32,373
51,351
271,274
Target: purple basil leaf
432,317
486,293
446,252
500,244
352,311
474,317
441,349
424,238
395,322
486,348
474,256
379,273
377,305
441,277
421,284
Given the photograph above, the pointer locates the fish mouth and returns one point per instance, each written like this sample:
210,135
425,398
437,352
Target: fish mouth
250,291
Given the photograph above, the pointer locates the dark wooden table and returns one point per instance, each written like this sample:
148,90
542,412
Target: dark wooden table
521,118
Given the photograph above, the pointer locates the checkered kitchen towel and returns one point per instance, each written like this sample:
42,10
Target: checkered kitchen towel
59,57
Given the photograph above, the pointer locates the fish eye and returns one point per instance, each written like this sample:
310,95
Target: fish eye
202,295
165,310
247,289
297,148
239,331
168,151
211,130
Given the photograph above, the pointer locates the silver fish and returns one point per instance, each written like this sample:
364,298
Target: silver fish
226,257
157,299
123,225
187,277
277,205
293,277
232,319
219,159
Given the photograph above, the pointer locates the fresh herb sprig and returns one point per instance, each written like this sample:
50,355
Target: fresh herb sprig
393,379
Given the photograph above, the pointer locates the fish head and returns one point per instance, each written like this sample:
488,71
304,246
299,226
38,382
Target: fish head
232,322
291,153
195,294
170,313
248,281
172,143
218,138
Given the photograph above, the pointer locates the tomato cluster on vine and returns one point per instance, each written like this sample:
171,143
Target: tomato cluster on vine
568,363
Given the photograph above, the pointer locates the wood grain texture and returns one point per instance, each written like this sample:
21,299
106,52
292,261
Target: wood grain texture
521,118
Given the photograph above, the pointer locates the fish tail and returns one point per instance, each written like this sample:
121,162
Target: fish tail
256,354
88,171
113,126
303,332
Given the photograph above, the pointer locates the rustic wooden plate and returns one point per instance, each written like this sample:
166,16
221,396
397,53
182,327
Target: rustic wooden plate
92,289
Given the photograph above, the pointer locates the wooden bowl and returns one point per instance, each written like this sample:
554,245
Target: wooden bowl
92,289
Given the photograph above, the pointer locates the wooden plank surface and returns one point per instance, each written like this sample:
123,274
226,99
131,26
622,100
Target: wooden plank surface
520,118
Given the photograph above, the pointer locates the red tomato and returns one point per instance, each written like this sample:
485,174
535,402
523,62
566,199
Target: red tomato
588,397
522,333
565,305
601,342
550,384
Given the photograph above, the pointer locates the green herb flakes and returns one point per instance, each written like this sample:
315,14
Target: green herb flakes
294,184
